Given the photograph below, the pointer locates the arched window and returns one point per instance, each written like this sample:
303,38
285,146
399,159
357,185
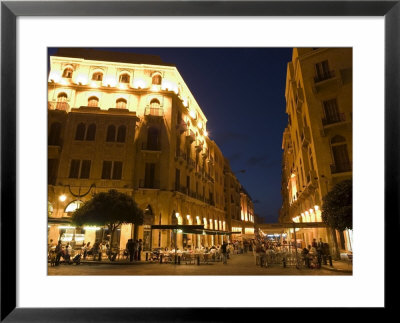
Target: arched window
73,206
98,76
124,78
91,132
80,132
154,107
54,134
340,155
121,104
153,140
110,133
121,134
62,102
67,73
156,79
93,101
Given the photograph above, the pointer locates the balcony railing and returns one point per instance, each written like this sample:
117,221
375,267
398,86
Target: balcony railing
181,126
156,112
340,168
149,184
190,136
339,117
305,136
190,163
151,147
324,76
180,154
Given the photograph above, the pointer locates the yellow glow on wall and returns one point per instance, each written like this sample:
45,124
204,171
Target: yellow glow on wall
62,198
200,125
55,76
81,79
185,102
177,214
205,133
139,83
192,114
94,84
249,230
169,86
110,80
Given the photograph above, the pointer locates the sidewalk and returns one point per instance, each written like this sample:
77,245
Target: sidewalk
340,265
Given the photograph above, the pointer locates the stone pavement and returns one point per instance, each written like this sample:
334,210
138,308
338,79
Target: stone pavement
243,264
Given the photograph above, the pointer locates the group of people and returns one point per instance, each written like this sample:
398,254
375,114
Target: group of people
316,254
65,252
134,249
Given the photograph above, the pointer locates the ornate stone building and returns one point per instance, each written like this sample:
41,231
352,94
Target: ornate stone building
317,142
129,122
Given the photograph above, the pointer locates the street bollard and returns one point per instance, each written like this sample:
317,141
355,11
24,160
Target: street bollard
330,260
198,260
175,259
99,256
284,263
161,259
179,260
147,256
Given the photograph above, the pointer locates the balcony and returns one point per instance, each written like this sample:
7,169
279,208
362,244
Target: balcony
305,136
339,117
180,155
190,136
153,112
151,147
181,126
341,168
190,163
324,76
62,106
149,184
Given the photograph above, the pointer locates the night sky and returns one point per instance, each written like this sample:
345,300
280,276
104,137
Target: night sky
242,94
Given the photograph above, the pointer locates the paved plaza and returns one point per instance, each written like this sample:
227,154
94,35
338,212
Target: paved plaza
242,264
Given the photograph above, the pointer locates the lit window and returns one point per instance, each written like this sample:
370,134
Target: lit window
124,78
121,104
156,79
67,73
93,101
98,76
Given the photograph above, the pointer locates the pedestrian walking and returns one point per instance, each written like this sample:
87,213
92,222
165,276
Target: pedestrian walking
224,252
140,247
131,249
58,253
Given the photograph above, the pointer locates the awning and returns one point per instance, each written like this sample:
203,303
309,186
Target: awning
191,229
58,220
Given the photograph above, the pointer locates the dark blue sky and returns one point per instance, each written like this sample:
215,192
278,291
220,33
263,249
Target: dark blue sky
242,93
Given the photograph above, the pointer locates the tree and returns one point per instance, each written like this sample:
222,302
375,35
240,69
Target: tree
337,207
109,209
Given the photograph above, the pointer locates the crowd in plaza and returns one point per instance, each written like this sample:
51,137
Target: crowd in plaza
66,253
269,252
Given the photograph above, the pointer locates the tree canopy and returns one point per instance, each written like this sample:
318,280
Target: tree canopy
110,209
337,208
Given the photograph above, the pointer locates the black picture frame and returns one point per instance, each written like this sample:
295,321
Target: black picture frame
10,10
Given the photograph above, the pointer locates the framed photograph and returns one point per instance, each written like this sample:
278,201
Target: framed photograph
37,36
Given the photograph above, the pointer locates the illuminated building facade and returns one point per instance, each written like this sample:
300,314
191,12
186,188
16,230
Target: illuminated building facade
317,142
129,122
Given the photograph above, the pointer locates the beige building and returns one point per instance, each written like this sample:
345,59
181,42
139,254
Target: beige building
129,122
317,142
